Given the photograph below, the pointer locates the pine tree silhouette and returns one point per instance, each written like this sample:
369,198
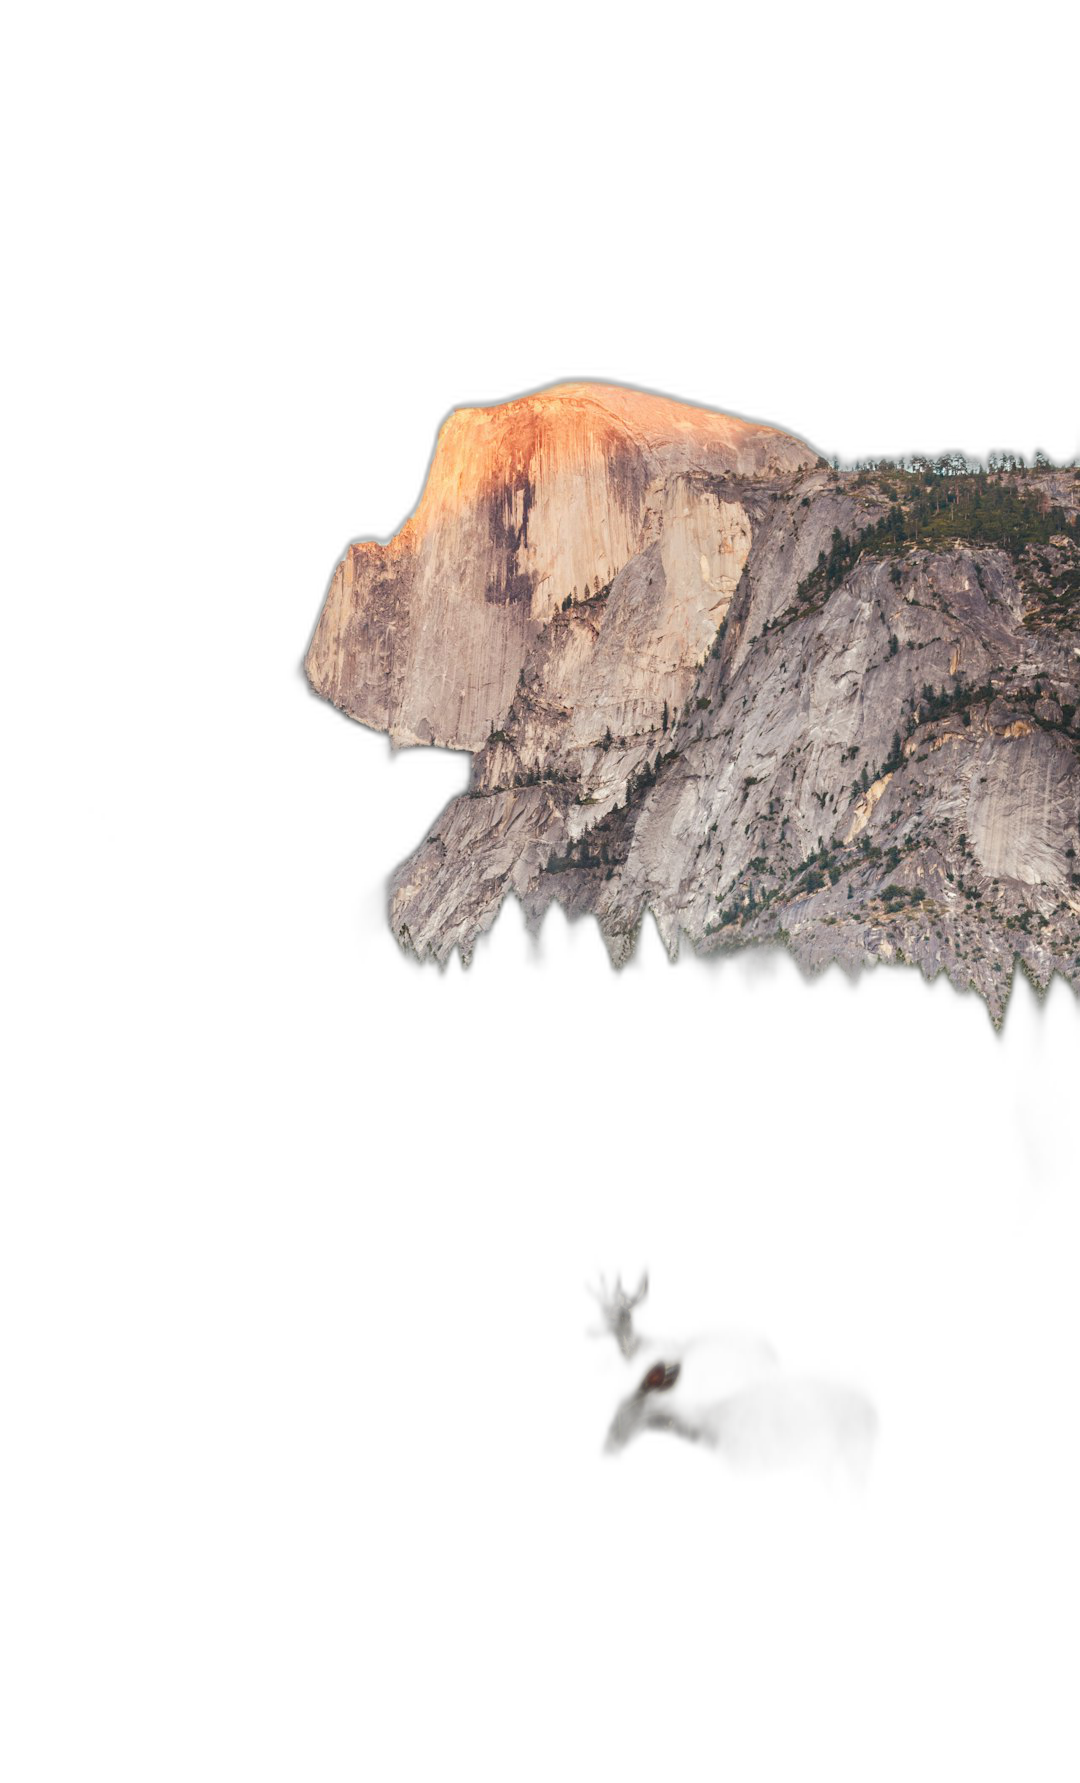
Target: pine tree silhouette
1061,1020
647,954
553,940
1022,1017
589,951
507,947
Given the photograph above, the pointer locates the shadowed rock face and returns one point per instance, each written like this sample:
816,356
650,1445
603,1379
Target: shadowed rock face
705,675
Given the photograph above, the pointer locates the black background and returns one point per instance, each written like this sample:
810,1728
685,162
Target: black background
439,1220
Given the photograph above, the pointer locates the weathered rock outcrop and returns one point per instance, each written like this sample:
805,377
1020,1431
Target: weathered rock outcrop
527,506
704,674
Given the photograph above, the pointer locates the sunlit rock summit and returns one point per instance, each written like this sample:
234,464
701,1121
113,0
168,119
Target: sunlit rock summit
703,673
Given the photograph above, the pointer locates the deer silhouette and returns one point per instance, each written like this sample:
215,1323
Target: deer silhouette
728,1391
774,1422
719,1357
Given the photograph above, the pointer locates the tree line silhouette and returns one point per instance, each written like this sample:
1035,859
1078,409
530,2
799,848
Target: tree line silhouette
555,994
562,951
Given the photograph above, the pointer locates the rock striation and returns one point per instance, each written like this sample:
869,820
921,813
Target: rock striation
705,674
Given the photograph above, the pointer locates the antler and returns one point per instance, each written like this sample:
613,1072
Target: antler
608,1295
640,1290
601,1291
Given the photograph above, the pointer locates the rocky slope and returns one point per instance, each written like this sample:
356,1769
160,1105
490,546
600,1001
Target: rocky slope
704,674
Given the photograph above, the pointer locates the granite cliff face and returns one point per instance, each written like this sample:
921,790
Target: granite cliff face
704,674
527,506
